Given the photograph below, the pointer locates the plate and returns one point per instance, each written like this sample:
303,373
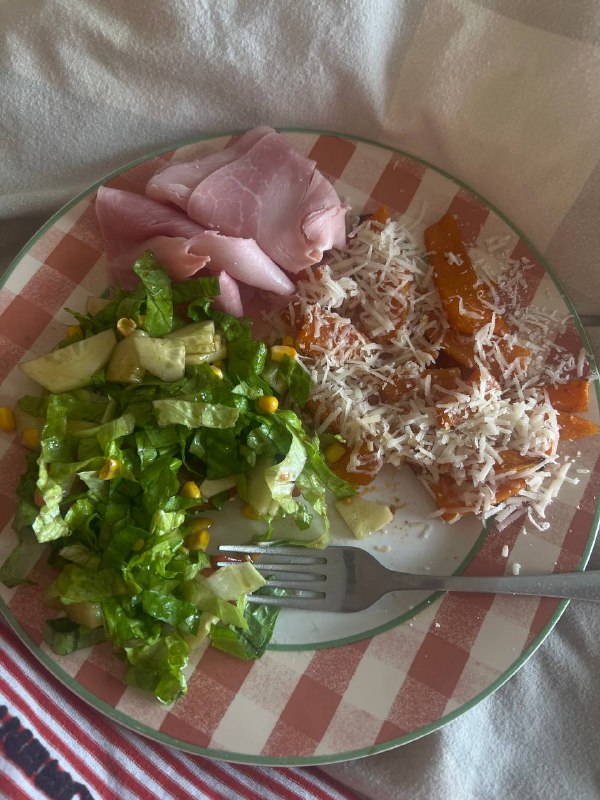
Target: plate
330,687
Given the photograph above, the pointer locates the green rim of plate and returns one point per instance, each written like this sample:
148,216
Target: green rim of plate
242,758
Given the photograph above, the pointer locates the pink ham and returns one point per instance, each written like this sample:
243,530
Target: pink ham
277,197
229,300
176,182
129,217
243,260
131,223
174,253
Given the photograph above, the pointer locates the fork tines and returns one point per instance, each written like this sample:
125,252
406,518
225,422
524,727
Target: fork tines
296,555
301,572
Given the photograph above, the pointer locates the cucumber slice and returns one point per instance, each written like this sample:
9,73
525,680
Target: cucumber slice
164,358
199,337
73,366
95,304
124,365
258,492
139,353
209,489
363,517
219,353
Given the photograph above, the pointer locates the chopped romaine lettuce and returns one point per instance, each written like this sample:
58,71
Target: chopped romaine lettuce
229,582
105,492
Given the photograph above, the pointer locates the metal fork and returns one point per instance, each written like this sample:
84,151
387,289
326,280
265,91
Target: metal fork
350,579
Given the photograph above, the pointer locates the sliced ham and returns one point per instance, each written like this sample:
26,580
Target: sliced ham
176,182
129,217
277,197
249,212
243,260
229,300
174,253
127,233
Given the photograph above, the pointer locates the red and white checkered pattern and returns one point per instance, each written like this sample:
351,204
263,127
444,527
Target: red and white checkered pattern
304,706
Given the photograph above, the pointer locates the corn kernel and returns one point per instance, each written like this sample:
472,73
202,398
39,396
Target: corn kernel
217,371
199,523
191,489
197,540
278,351
288,341
74,330
249,512
8,423
334,452
268,404
110,470
31,438
125,326
137,545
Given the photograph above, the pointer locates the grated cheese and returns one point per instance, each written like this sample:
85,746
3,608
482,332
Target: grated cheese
376,319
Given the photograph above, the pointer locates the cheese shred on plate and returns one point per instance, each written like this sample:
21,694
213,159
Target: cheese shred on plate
370,328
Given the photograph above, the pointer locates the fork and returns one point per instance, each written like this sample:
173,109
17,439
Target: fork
350,579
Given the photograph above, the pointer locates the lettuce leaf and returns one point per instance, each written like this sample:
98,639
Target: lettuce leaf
251,641
158,667
194,414
158,314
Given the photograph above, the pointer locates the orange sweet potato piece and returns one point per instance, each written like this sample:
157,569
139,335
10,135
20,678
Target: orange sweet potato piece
442,381
381,214
510,353
571,396
513,461
460,349
397,309
574,427
369,467
325,329
448,494
441,378
392,393
321,413
509,488
457,283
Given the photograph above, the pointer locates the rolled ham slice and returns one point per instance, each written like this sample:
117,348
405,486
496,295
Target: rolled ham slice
173,252
131,223
176,182
243,260
276,196
129,217
229,300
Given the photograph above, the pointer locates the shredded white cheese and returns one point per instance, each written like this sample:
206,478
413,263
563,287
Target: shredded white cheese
376,323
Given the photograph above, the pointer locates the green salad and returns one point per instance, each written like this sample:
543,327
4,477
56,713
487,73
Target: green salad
158,410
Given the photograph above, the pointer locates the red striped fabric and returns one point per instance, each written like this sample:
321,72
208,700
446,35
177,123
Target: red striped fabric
52,745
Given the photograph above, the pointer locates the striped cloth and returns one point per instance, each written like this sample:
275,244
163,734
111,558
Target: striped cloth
504,94
54,747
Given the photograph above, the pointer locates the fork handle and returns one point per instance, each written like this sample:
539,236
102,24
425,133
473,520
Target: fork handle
570,585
